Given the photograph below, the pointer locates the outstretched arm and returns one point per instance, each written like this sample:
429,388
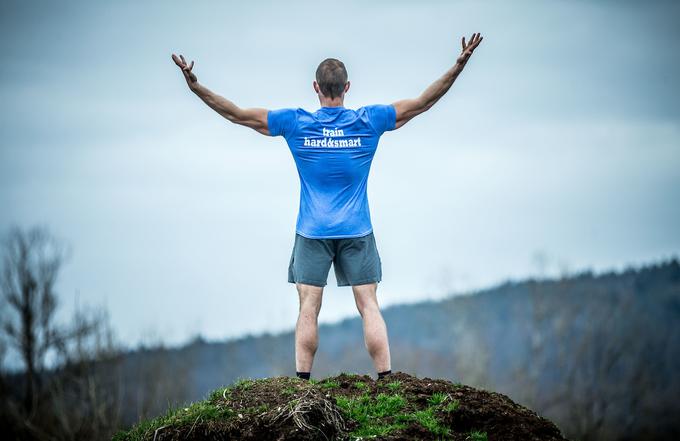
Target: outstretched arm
255,118
409,108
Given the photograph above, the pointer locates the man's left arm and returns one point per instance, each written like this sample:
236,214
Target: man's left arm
255,118
409,108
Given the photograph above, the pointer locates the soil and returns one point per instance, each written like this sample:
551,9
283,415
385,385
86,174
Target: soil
289,408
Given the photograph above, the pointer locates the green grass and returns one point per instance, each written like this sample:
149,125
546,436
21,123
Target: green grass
388,405
178,416
217,394
477,436
436,398
329,384
368,412
243,383
452,406
427,419
394,386
360,385
258,409
290,390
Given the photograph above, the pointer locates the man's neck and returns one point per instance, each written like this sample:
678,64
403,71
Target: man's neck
332,103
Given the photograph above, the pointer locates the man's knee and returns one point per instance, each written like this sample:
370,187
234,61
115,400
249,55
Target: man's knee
310,296
365,297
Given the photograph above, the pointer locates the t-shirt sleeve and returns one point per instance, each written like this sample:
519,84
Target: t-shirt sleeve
282,122
382,117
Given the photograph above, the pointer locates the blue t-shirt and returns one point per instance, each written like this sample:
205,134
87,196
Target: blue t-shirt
333,149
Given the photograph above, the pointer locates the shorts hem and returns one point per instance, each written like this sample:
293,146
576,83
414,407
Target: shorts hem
309,282
361,282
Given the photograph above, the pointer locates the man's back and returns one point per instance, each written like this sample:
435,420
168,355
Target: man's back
333,149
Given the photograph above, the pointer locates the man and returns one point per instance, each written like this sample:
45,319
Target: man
333,148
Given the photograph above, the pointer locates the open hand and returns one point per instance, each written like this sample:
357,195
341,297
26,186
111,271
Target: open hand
186,69
469,48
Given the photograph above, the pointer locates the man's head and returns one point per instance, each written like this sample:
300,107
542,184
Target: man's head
331,79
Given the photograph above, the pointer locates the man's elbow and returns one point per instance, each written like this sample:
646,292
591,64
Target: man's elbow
424,104
256,124
238,116
409,109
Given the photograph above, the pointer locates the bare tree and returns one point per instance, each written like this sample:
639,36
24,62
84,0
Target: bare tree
76,396
609,371
30,265
606,350
86,388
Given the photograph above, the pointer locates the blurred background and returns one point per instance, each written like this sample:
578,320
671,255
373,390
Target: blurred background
527,224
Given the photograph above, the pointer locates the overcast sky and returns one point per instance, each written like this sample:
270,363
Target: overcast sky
561,137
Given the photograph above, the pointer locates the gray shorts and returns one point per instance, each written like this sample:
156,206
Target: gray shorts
355,259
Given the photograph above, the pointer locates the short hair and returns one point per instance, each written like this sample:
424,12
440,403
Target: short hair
332,77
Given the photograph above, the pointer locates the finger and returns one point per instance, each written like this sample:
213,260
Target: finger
176,60
183,60
463,43
192,65
478,40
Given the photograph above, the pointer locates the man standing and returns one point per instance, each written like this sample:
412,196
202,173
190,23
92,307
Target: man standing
333,148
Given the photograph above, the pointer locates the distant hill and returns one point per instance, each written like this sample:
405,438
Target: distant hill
348,407
597,354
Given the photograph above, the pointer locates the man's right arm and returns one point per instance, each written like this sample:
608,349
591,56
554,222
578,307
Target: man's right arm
409,108
255,118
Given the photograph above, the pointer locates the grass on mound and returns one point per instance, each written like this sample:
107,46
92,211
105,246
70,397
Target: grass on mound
370,408
175,417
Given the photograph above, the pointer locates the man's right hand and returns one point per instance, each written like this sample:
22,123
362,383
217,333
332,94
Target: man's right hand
191,78
468,48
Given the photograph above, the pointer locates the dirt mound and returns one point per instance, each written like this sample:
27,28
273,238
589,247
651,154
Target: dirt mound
348,407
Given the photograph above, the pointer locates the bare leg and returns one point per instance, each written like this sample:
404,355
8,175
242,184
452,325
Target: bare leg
375,330
307,329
